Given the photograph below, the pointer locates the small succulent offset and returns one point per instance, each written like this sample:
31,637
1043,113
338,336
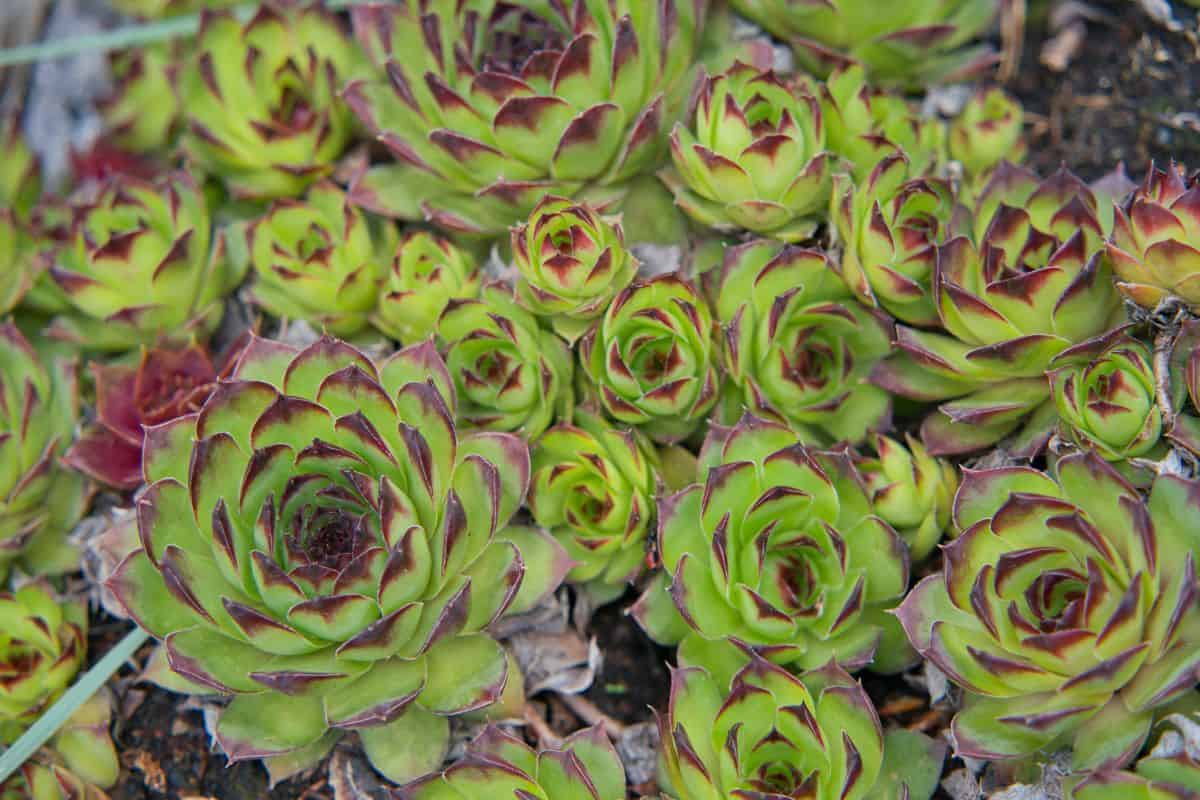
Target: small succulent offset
913,43
1067,609
510,373
769,734
651,359
890,225
165,383
594,487
499,765
910,490
1155,247
1035,285
260,99
1170,771
797,347
428,271
43,644
40,500
488,107
987,132
778,549
572,263
1105,395
143,113
141,265
320,543
317,260
753,157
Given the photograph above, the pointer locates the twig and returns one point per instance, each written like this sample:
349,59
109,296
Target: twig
545,736
587,711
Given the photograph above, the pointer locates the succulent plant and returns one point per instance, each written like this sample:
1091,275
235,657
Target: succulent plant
651,359
165,383
1155,245
18,264
1067,609
1033,287
20,173
260,99
987,132
572,261
1170,771
1185,371
155,9
769,734
319,543
143,112
43,644
909,44
44,778
910,490
140,265
497,764
779,549
427,272
753,157
797,347
39,500
865,124
488,107
1104,393
594,488
510,373
890,225
316,259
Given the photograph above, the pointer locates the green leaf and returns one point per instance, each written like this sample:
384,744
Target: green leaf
910,760
412,746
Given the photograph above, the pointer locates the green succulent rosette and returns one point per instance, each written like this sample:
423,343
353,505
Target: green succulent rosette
1034,286
320,544
769,734
651,359
44,778
865,124
316,259
141,265
488,107
910,490
798,348
1170,771
19,266
20,173
156,9
1155,246
594,488
572,262
890,226
909,44
143,112
753,157
260,99
988,132
428,271
1104,393
777,548
497,764
1067,610
40,500
43,645
510,373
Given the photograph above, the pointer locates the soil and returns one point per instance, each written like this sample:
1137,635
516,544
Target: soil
1128,95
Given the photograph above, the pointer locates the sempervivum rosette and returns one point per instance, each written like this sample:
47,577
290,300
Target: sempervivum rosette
511,374
778,549
316,259
987,132
651,359
797,347
1155,248
572,262
754,157
490,106
259,99
319,542
499,765
427,272
1067,609
1104,392
141,265
910,490
1033,286
594,488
